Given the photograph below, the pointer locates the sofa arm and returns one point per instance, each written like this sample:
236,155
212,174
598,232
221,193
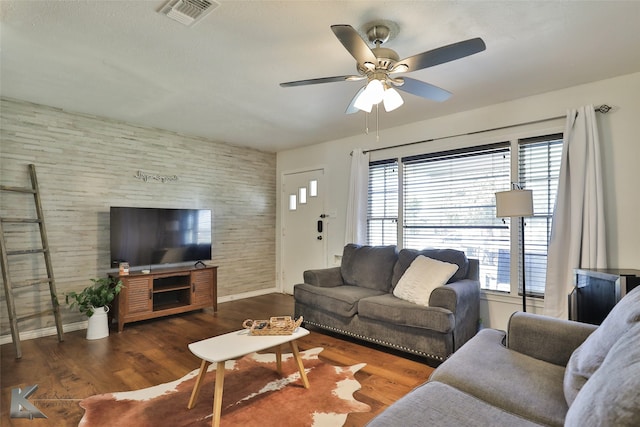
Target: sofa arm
462,298
324,277
546,338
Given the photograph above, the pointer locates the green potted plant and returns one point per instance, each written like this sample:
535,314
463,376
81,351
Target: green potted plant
93,301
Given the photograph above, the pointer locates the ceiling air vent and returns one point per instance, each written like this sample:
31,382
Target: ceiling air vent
188,12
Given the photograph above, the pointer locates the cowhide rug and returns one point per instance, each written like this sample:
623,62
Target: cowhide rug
254,395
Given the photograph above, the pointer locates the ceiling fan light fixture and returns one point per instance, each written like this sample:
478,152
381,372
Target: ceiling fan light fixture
391,99
363,104
372,95
374,91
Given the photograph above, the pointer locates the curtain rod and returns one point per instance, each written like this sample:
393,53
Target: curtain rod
604,109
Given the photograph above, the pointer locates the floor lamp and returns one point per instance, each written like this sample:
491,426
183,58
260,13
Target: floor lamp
516,203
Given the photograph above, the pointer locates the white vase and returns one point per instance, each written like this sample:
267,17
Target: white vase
98,326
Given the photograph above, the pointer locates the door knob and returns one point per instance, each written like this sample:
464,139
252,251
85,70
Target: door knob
319,226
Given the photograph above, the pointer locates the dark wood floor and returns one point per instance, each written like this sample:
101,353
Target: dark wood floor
155,351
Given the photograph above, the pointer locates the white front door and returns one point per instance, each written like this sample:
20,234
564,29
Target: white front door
304,226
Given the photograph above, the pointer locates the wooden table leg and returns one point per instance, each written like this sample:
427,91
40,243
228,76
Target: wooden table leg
198,384
296,354
279,359
217,395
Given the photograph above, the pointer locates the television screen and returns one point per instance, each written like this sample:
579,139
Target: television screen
152,236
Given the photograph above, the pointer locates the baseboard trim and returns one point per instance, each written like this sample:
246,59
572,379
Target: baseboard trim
250,294
70,327
44,332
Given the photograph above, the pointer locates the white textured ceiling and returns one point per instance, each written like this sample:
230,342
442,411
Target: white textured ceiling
219,79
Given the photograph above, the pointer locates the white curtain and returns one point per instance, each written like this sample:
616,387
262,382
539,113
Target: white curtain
356,229
578,227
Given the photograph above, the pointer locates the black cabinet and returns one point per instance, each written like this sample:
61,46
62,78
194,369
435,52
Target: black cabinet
597,291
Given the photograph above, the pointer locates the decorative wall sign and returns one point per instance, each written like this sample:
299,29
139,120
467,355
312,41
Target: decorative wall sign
162,178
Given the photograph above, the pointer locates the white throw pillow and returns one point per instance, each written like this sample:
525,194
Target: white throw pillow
423,276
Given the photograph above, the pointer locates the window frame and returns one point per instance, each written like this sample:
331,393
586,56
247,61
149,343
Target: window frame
536,268
465,142
449,202
380,170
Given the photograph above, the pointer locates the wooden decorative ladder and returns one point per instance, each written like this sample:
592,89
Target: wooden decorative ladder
5,254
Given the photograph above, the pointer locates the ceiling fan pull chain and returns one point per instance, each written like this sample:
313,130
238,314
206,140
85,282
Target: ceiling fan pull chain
377,122
366,123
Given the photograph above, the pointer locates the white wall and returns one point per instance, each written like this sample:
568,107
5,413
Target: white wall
620,138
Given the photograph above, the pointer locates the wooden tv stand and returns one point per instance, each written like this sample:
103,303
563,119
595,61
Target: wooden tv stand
163,292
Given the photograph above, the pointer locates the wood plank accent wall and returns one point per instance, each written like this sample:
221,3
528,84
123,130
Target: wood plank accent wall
85,164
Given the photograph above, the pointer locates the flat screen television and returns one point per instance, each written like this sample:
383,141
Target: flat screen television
155,236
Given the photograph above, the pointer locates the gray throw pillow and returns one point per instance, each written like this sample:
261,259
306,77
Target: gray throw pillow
368,266
588,357
611,397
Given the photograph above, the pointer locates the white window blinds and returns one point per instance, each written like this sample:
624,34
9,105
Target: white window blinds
538,170
382,216
449,202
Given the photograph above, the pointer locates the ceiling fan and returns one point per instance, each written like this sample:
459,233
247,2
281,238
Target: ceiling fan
384,70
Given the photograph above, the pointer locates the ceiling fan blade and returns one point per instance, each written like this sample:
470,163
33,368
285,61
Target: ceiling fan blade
321,80
443,54
352,41
351,109
425,90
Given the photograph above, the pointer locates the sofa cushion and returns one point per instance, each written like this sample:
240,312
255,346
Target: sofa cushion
423,276
587,358
368,266
341,300
611,397
406,257
512,381
437,404
388,308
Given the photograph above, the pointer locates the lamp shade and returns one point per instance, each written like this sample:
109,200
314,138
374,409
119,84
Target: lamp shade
514,203
362,103
370,96
391,99
374,91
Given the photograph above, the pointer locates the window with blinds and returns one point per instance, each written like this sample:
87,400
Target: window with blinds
449,202
538,170
382,216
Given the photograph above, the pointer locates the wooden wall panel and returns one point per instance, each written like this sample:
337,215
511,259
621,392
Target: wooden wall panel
86,164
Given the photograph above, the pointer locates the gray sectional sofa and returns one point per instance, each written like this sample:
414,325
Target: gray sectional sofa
356,299
542,371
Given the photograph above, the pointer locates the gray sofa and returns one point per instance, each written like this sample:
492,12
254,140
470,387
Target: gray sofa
545,371
356,299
